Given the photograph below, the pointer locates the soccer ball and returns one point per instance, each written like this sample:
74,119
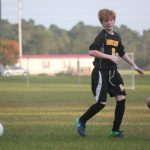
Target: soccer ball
1,129
148,102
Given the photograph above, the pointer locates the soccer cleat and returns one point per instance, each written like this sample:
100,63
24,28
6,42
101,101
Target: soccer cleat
118,134
80,127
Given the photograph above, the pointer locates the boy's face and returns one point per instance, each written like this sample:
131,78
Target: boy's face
108,24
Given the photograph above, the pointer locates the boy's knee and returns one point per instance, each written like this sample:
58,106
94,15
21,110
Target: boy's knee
101,105
120,97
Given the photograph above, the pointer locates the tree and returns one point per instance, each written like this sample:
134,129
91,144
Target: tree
81,37
144,53
9,31
59,40
9,52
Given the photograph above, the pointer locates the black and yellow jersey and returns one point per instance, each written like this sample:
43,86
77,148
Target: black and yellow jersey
109,44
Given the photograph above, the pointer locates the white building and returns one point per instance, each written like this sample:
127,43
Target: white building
57,64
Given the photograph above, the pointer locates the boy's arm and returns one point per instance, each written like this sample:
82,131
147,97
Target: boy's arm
126,58
98,54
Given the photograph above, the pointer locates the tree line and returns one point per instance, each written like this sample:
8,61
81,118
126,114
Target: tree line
37,39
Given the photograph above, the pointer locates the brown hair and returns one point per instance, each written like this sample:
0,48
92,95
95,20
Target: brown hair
106,14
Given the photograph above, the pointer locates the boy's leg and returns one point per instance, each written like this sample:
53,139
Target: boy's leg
100,93
95,108
119,92
99,89
119,112
81,122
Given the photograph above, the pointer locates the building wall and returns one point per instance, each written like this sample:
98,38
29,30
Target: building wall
57,64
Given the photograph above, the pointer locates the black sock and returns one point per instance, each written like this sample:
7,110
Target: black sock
95,108
119,112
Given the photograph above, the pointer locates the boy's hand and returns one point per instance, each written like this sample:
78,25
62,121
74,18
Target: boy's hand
140,71
115,59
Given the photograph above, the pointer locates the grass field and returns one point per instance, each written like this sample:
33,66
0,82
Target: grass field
41,115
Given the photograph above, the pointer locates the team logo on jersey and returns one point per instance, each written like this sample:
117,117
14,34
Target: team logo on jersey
121,87
112,42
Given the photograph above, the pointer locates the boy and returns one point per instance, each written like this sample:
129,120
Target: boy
105,76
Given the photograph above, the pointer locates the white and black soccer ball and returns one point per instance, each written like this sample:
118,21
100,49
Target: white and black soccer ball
148,102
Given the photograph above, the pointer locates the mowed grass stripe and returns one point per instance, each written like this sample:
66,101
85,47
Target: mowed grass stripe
45,88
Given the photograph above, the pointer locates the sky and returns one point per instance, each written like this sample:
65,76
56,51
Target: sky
135,14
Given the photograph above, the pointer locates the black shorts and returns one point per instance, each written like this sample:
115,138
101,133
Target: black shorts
106,81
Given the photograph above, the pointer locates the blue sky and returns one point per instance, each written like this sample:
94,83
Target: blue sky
66,13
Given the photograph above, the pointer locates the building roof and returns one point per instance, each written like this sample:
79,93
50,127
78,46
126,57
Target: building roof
37,56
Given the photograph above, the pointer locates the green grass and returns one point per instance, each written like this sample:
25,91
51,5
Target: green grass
41,115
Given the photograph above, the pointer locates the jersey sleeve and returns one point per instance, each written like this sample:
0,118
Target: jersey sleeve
98,42
121,48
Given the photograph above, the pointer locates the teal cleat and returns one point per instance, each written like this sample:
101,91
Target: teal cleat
118,134
80,127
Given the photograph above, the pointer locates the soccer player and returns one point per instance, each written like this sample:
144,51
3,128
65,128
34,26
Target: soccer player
105,76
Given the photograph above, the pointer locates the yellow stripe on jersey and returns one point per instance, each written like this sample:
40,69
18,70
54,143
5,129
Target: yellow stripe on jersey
113,51
112,42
